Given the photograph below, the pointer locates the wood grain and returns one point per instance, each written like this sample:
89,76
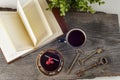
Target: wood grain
101,30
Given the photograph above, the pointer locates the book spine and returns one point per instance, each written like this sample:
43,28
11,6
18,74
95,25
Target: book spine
60,20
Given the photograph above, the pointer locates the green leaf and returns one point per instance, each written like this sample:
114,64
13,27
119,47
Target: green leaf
66,5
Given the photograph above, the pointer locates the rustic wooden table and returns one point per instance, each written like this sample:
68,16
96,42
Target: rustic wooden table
102,30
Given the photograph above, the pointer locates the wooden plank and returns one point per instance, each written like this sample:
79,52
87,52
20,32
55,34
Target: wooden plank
105,36
99,22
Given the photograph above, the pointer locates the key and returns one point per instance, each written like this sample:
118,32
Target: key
74,61
97,51
102,61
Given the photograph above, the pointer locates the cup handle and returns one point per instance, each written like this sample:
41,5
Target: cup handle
62,40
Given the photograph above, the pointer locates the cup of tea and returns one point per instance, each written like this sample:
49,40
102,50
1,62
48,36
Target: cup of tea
76,37
50,62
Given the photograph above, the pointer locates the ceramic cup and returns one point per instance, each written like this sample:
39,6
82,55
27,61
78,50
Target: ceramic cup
50,62
76,37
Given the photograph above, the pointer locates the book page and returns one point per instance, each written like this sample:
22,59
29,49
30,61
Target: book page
26,23
14,39
55,27
37,21
15,30
5,42
49,16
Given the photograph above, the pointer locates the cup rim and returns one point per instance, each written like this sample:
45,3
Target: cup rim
42,70
70,32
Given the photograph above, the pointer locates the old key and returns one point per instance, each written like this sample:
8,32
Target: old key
102,61
74,60
97,51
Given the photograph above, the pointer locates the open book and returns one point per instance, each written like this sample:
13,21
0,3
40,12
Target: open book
27,29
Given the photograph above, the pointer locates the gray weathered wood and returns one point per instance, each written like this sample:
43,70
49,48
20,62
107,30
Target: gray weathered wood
105,36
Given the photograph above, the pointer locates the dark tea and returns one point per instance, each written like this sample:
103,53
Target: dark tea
76,37
50,62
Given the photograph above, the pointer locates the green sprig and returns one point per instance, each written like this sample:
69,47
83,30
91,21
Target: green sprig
81,5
